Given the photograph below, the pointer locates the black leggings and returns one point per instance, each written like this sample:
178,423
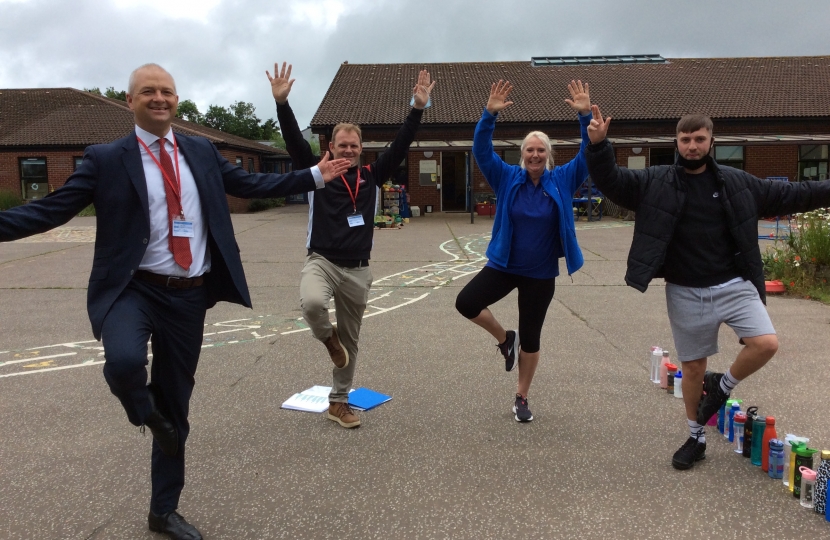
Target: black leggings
491,285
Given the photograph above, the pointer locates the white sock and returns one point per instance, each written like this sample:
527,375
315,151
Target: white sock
728,382
696,431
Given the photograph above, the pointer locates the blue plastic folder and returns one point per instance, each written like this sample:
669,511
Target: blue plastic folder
366,399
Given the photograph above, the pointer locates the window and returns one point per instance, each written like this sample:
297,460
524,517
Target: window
812,162
731,156
238,161
250,165
77,161
512,157
661,156
33,178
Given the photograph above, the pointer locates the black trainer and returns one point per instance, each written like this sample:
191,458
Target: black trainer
520,411
510,350
691,451
713,397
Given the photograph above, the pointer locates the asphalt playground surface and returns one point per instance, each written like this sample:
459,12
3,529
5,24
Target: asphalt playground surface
444,458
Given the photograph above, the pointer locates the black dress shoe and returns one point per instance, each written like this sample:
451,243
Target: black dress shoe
173,525
164,432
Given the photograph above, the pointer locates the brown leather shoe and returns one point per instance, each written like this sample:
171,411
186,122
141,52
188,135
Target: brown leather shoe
338,354
343,415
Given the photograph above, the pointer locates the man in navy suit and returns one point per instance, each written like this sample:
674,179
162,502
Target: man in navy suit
164,253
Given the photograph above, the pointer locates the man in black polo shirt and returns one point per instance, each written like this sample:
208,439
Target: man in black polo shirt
697,226
340,229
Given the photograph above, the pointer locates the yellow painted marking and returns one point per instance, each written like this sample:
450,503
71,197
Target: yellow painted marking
48,363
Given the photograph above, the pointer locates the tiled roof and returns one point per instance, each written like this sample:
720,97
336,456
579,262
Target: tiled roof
69,117
783,87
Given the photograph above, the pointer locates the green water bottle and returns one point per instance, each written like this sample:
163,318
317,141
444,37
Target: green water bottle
759,424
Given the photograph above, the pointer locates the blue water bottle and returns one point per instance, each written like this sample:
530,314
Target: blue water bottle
776,459
736,407
722,415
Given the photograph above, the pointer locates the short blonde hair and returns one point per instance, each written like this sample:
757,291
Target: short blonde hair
345,126
545,140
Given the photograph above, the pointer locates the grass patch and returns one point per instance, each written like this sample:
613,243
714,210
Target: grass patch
9,199
87,212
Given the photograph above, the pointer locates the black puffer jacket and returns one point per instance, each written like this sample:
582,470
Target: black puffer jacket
658,196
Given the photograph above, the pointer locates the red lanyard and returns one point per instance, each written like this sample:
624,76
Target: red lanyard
356,188
176,187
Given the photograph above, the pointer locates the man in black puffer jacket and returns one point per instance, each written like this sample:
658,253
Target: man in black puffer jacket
697,226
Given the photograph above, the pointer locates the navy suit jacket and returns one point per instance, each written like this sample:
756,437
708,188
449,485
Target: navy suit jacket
111,177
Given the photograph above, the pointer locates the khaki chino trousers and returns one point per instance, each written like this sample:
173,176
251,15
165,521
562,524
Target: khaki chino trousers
321,280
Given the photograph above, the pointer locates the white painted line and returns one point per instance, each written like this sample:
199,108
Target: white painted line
36,358
69,344
84,364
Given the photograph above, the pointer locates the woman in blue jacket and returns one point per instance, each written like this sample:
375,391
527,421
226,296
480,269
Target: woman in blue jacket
532,229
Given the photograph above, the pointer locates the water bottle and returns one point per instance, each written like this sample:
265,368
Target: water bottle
751,413
758,426
789,457
730,433
769,434
803,460
822,474
808,484
664,370
678,384
671,371
655,357
738,421
776,459
722,412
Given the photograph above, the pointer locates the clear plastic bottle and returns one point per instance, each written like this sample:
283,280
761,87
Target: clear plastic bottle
730,433
808,485
678,384
738,426
655,357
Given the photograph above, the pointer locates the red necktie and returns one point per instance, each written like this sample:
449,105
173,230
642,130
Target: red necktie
179,245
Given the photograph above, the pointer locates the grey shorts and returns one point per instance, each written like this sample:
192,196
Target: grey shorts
696,314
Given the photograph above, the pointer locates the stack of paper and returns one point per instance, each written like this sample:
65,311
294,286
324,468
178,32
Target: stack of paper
314,399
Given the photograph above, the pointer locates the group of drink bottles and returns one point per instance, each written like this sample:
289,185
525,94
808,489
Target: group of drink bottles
754,436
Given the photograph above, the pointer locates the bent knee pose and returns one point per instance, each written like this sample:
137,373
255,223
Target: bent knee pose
533,229
341,224
696,226
151,279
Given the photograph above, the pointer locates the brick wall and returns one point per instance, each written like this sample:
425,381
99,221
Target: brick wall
237,205
764,161
59,165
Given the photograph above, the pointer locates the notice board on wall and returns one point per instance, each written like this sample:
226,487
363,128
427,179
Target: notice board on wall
428,172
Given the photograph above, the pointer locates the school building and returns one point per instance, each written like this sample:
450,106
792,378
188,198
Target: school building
771,115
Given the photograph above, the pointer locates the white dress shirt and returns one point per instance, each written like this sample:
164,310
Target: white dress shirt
158,258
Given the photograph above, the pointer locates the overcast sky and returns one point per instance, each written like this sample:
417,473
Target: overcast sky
218,50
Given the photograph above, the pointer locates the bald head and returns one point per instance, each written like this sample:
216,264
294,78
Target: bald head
152,98
134,76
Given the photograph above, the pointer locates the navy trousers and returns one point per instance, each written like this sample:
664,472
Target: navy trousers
174,320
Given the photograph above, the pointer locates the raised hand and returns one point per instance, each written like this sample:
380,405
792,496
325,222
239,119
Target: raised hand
422,89
598,128
580,98
498,96
331,169
281,83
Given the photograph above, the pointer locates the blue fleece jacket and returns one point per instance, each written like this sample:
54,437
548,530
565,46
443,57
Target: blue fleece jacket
561,183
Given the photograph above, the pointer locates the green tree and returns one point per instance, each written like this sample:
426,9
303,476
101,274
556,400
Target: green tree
189,111
245,121
219,118
94,90
113,94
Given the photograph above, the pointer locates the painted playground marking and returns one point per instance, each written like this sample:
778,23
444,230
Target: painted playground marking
466,256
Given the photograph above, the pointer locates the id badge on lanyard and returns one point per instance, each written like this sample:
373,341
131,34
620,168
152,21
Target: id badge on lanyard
355,219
